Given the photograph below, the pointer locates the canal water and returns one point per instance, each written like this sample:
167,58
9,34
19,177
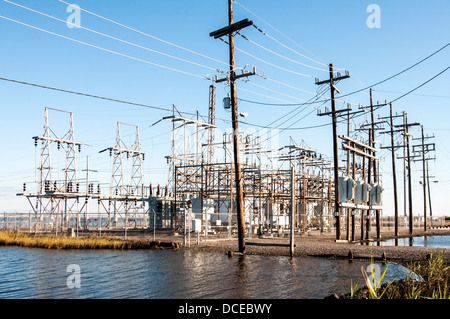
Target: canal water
162,274
420,241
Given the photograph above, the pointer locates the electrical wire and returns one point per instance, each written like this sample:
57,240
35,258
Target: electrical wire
246,9
418,87
112,37
280,55
401,72
104,49
271,64
148,35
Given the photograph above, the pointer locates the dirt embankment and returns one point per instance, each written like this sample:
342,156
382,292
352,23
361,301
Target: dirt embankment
325,245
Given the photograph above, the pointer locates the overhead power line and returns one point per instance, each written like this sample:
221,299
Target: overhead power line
280,55
103,49
114,38
149,35
99,97
418,87
284,35
401,72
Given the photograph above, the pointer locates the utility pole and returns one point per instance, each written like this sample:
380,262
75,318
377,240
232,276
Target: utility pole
292,211
406,133
229,30
372,163
424,183
331,81
424,149
394,173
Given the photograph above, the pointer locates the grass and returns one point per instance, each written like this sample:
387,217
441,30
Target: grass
435,284
65,242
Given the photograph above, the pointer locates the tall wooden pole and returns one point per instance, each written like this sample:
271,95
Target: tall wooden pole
408,155
424,183
337,212
291,249
394,174
234,115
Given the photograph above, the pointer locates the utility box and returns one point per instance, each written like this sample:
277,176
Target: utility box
376,195
361,193
196,225
346,189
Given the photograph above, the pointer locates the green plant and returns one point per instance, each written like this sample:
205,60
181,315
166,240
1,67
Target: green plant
374,284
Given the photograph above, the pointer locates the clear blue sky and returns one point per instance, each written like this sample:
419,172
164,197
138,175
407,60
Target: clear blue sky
324,31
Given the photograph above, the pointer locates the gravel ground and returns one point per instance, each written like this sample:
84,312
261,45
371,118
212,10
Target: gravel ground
323,245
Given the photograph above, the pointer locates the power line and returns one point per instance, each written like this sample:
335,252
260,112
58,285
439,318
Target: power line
245,8
426,82
103,49
401,72
97,96
148,35
280,55
114,38
274,65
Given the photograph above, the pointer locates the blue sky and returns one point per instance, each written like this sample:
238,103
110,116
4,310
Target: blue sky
324,31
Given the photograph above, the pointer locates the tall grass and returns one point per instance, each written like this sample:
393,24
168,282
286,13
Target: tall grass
435,283
63,242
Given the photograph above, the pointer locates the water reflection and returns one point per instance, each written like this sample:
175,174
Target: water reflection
108,274
421,241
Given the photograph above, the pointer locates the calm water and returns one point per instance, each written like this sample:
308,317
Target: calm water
423,241
108,274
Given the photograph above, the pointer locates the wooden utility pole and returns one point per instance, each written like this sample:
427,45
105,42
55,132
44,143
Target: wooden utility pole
291,249
331,81
424,148
405,127
424,183
229,30
394,172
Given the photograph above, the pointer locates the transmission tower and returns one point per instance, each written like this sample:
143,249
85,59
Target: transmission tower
56,200
126,199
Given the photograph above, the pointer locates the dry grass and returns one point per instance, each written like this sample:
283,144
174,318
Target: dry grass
64,242
435,284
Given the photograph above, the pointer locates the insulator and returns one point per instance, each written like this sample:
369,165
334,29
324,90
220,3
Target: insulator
79,148
110,152
59,145
117,191
143,157
78,187
157,191
24,187
150,190
35,142
98,188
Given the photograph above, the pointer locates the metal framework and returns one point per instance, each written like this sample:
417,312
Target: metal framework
57,201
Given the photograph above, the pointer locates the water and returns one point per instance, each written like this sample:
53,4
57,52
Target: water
162,274
423,241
